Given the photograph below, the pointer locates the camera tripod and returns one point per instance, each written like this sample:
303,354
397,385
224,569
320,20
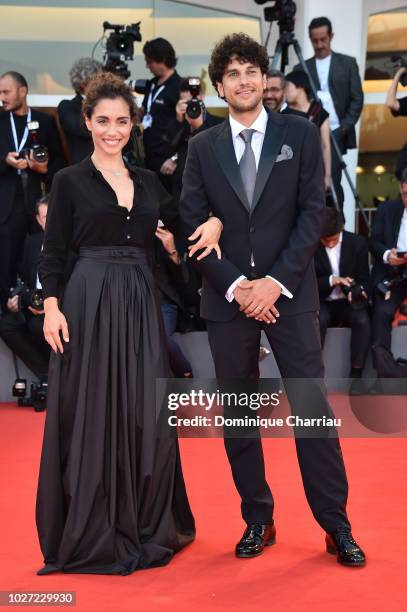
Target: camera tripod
280,57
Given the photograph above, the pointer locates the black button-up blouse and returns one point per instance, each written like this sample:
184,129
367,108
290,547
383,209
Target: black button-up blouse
83,211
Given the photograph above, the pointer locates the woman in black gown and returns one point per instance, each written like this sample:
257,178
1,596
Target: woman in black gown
111,496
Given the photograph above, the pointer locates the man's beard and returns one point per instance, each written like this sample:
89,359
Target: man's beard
245,108
16,107
272,104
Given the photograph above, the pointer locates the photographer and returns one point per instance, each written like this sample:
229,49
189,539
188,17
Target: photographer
397,107
273,95
69,111
30,154
192,117
388,244
159,103
342,269
21,327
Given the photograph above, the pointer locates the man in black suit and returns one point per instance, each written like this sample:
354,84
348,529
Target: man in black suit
342,269
70,111
22,181
336,77
388,242
21,326
260,173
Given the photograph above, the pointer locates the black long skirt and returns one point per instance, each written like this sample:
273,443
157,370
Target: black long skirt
111,496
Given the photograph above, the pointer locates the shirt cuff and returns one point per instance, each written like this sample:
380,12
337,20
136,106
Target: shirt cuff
229,293
386,256
284,290
331,280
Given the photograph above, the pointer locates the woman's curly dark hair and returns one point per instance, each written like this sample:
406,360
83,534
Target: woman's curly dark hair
241,47
107,85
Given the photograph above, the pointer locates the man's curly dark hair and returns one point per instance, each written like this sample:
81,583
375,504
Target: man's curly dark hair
241,47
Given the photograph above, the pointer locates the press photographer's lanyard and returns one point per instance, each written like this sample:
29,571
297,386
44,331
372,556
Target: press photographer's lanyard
18,147
148,119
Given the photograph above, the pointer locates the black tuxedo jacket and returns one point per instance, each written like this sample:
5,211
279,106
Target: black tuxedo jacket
353,262
281,229
79,140
384,235
346,90
48,136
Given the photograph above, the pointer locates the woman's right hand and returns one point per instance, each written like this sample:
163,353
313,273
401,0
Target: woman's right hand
209,234
54,323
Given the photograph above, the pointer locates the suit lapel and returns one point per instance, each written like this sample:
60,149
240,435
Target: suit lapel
325,261
312,67
225,153
345,248
332,71
273,141
397,224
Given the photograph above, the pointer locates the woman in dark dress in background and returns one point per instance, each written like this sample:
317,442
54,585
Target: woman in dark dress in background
298,95
111,496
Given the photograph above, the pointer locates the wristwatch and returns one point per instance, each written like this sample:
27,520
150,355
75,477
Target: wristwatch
174,158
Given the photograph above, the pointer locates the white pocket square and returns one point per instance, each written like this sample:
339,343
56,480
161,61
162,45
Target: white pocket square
286,153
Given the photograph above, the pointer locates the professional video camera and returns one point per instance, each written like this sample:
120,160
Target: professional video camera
27,297
195,106
358,299
120,47
283,12
400,62
38,151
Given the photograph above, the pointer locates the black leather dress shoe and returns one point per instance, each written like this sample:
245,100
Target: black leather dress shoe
342,544
254,539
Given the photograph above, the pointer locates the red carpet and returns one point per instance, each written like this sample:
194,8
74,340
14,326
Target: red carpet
296,574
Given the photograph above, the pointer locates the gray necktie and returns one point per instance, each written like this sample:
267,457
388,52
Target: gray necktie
247,165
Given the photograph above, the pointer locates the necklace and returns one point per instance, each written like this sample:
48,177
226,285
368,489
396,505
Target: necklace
114,172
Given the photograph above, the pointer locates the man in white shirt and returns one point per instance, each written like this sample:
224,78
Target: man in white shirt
342,269
388,243
337,80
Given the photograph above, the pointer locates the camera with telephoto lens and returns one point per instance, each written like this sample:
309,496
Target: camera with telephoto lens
400,62
195,106
358,299
27,297
39,152
399,278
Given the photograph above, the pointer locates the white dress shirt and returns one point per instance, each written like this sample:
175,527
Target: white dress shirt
334,256
260,125
323,67
402,238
